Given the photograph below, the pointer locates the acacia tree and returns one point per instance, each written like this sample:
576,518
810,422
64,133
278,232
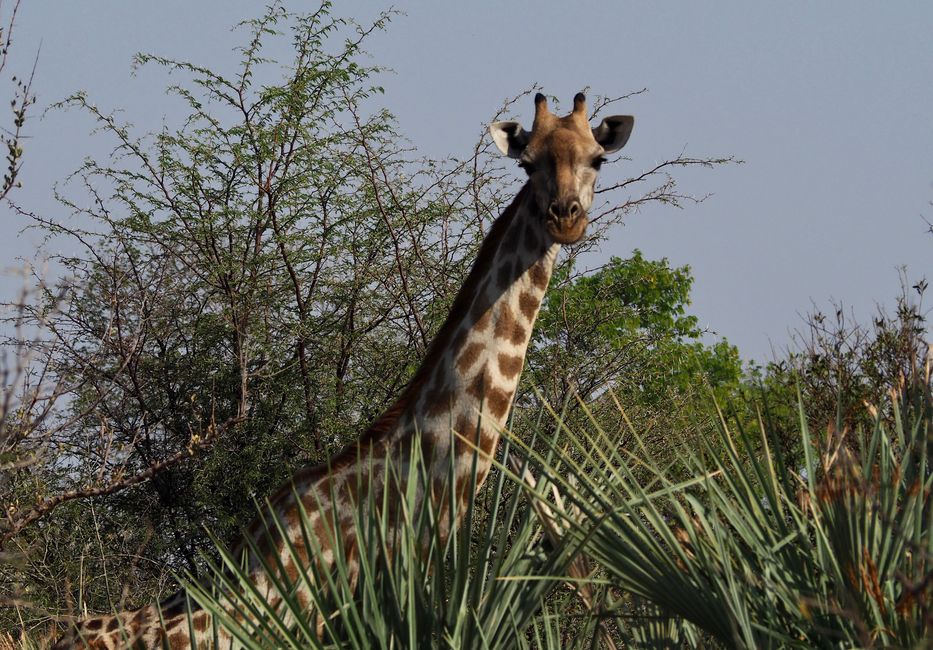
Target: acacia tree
246,292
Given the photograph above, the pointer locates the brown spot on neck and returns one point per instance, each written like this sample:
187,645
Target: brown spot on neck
482,315
498,401
469,356
528,304
540,275
480,383
175,622
465,430
495,399
467,437
510,365
507,327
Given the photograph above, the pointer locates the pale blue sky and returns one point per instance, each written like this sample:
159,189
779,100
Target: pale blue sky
828,103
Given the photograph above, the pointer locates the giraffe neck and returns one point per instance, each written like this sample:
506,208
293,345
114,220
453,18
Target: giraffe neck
468,380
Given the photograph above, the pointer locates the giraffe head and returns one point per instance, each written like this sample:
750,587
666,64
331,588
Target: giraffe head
562,157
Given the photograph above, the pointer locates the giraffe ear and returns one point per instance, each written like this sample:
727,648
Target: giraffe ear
510,137
613,132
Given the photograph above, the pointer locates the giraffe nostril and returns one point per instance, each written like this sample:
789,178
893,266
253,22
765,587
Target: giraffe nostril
561,210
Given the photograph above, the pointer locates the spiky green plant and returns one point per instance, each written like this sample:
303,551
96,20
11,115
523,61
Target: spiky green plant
730,545
485,586
757,553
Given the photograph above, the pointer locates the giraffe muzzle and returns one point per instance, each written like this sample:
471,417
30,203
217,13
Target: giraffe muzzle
566,221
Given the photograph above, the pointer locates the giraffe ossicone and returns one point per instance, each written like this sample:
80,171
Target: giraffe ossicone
466,382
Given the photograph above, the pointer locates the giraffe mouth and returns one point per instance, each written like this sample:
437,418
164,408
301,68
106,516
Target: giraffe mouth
567,230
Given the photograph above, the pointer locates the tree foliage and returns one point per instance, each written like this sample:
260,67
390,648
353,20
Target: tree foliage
624,326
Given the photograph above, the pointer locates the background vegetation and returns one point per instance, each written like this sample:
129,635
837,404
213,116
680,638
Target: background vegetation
242,294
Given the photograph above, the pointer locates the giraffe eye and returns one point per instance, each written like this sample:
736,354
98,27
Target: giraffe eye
598,162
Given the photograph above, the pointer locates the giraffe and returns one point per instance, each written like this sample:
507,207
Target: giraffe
466,382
